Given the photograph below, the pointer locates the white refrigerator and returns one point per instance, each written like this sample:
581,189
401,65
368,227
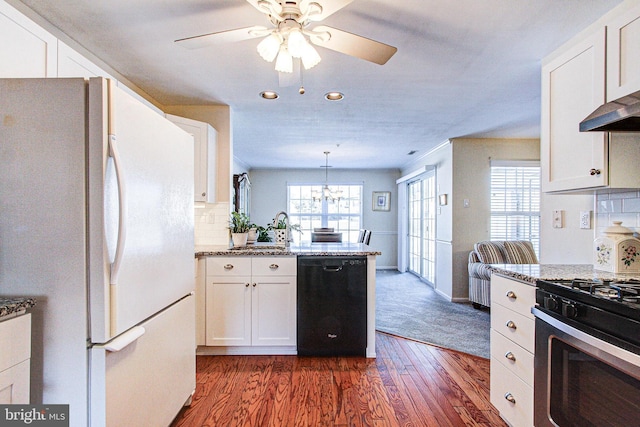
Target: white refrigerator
96,223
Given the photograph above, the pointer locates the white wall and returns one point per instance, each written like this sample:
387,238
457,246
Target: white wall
269,196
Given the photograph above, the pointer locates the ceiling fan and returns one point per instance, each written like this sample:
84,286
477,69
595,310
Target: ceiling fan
287,39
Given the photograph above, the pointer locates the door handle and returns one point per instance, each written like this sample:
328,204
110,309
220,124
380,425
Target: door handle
122,210
124,339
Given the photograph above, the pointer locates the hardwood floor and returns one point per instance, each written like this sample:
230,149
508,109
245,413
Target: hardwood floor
408,384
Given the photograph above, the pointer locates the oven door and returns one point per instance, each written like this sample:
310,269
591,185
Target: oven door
580,380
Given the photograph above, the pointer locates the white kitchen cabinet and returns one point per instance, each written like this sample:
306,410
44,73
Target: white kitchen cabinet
15,359
589,71
573,86
26,49
251,302
623,54
73,64
512,349
205,139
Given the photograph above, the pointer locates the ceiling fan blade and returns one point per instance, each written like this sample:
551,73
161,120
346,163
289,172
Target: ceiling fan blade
329,7
354,45
229,36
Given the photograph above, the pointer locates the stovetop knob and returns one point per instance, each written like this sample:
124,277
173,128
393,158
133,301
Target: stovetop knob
551,303
570,310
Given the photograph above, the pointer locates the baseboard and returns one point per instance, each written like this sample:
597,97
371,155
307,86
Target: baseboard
386,267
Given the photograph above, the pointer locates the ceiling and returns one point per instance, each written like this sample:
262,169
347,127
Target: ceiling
467,68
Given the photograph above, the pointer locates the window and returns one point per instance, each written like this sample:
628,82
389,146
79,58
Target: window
344,216
515,201
422,226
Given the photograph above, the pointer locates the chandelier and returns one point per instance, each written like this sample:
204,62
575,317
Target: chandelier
289,39
326,193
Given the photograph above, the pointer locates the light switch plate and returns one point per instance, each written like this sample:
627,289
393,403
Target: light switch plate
557,218
585,219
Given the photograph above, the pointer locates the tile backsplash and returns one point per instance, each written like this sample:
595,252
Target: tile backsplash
211,224
617,206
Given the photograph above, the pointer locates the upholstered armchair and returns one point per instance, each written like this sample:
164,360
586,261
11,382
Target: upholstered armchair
488,252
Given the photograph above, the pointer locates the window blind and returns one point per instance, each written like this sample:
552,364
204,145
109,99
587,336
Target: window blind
515,203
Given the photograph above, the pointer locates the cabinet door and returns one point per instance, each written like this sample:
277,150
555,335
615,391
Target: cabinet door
228,311
573,86
205,146
73,64
26,50
274,310
623,55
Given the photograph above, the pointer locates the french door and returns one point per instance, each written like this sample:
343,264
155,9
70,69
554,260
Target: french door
421,233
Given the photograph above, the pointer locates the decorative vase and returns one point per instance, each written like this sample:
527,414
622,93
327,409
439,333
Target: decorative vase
617,251
239,239
281,236
252,236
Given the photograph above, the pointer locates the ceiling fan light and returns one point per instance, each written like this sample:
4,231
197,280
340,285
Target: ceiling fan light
284,63
268,48
296,43
310,57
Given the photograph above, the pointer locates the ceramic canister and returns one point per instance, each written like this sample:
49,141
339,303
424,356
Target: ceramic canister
617,250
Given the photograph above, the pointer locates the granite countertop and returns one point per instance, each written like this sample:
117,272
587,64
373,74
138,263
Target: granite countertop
301,249
532,272
12,306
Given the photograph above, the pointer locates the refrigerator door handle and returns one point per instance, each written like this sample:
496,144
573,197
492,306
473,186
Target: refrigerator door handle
122,209
125,339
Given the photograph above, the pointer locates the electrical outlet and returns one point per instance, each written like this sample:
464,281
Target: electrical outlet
465,203
585,219
557,219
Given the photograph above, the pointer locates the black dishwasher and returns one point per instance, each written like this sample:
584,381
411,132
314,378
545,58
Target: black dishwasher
332,306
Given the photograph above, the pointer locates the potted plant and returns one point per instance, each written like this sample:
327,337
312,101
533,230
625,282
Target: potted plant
253,233
263,234
239,227
280,230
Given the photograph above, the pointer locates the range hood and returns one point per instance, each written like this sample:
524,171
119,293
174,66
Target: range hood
621,115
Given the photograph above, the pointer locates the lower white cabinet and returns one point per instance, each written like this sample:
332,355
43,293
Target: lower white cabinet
15,360
250,301
512,349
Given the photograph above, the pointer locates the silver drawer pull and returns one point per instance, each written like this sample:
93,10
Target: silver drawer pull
511,295
509,397
274,266
510,356
228,267
511,325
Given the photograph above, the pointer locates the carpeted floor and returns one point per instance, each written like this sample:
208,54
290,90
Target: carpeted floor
410,308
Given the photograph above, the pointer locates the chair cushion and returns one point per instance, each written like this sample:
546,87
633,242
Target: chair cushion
519,252
490,252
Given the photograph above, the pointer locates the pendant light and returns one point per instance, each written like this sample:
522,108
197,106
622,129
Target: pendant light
326,193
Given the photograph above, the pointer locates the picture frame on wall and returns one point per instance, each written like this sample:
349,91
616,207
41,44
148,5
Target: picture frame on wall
381,201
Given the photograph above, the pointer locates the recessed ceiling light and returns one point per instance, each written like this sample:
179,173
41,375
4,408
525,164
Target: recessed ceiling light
333,96
269,94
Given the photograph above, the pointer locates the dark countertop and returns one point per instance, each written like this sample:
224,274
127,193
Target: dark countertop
531,272
301,249
10,306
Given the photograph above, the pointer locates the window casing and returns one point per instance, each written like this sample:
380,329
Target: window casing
345,215
515,201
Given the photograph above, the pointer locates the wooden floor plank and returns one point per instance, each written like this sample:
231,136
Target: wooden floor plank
408,384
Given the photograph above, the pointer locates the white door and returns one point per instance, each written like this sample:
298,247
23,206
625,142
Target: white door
148,211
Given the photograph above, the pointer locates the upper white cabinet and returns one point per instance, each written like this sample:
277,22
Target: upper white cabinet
73,64
623,55
26,49
589,71
205,139
573,86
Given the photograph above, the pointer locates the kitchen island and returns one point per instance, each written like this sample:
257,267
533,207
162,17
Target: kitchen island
246,297
531,272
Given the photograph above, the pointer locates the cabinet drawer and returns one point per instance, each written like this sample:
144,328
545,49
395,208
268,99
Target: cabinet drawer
515,295
514,326
515,358
15,341
505,384
228,266
274,266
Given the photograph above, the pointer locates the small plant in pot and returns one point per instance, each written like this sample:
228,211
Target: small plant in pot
239,227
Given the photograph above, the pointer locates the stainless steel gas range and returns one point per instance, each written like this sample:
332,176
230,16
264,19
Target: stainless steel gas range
587,354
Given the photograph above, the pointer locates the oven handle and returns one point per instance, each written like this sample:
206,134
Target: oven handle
594,342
